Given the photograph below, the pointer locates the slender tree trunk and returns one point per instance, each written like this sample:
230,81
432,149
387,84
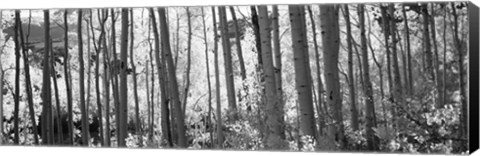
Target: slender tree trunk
163,85
173,81
47,128
273,106
439,98
302,83
123,105
464,107
353,105
380,74
209,122
107,77
444,89
115,72
152,106
149,103
85,140
386,33
28,83
256,32
404,65
102,20
382,92
409,55
67,81
331,40
321,115
227,55
57,102
46,93
320,109
372,144
189,62
426,43
89,64
220,136
151,100
398,94
169,108
258,47
238,44
134,75
278,67
152,94
18,26
360,67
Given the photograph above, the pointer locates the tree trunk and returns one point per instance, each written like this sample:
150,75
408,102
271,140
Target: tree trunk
89,64
360,68
209,121
426,43
256,32
278,67
444,79
463,98
134,75
302,83
47,128
115,72
237,43
398,93
85,140
386,33
331,41
220,136
59,138
258,47
107,77
166,82
101,20
163,85
18,27
189,62
353,105
123,106
321,115
273,107
89,61
67,81
372,143
152,89
28,83
409,55
173,80
438,88
380,74
151,100
227,55
404,64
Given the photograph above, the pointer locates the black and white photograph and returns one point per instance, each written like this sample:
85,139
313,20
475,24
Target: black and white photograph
378,77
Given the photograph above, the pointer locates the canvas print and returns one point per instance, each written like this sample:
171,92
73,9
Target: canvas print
357,77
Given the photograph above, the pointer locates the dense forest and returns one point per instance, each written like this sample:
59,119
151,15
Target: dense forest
378,77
